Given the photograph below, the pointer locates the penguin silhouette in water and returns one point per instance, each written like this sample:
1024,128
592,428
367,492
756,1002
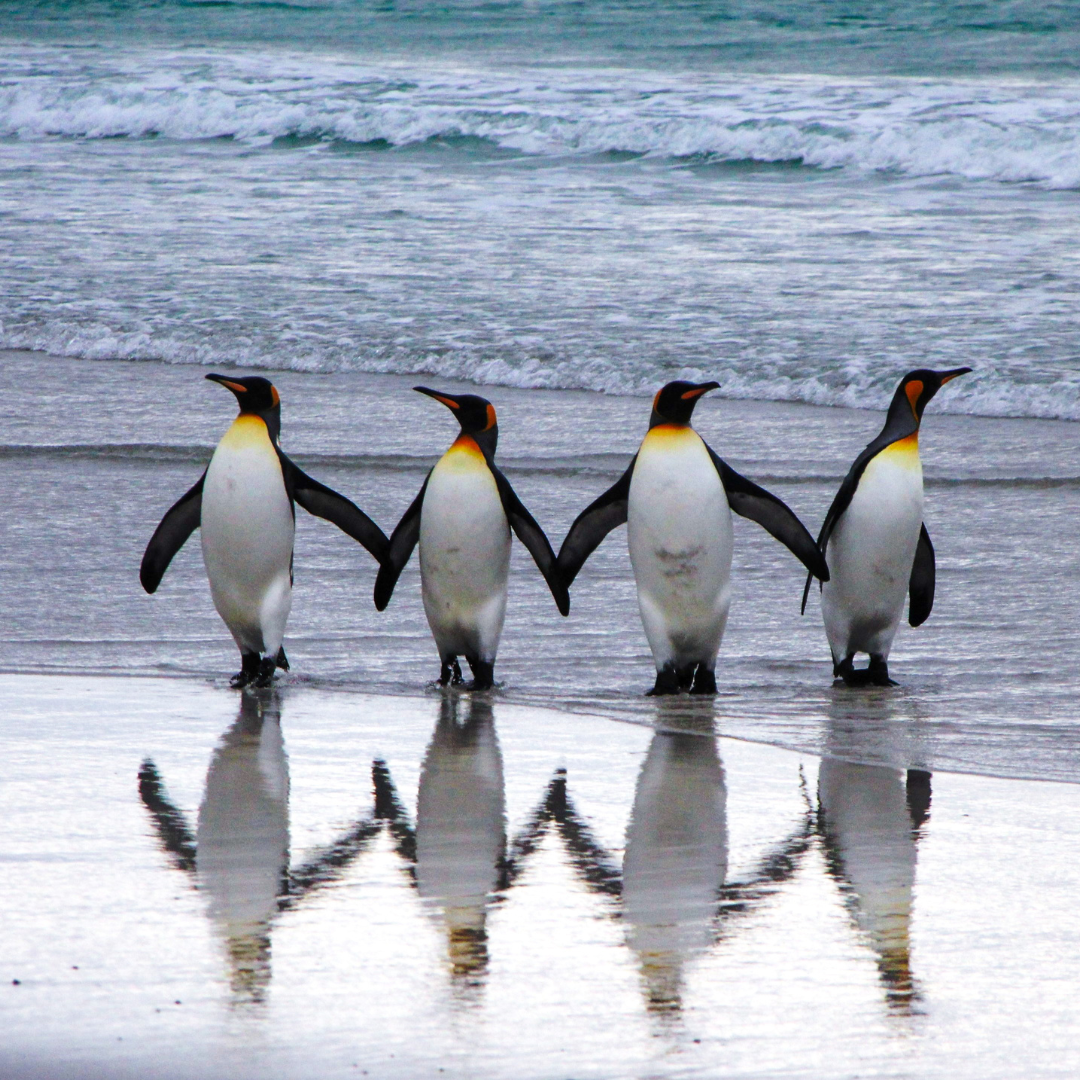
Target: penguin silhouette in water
677,497
675,861
462,519
875,542
869,818
244,504
238,854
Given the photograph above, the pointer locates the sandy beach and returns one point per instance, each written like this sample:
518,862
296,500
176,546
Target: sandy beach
322,882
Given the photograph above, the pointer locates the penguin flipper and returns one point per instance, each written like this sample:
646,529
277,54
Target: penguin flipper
328,504
921,584
773,515
402,541
594,523
534,538
179,522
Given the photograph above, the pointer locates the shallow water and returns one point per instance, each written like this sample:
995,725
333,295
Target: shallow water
99,451
199,883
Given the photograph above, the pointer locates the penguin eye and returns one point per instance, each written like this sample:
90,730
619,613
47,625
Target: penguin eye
914,391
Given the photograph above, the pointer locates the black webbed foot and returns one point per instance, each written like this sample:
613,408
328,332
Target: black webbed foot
267,667
667,682
875,674
282,660
483,674
704,681
673,680
878,670
450,674
249,670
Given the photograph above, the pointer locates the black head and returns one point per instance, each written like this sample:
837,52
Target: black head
674,404
476,415
255,396
915,391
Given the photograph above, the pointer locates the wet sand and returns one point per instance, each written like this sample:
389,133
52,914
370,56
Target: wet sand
311,882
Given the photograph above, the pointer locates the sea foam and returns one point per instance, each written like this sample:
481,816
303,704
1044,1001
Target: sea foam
994,130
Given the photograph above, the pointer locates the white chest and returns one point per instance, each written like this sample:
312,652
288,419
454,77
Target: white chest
880,529
679,522
246,517
464,534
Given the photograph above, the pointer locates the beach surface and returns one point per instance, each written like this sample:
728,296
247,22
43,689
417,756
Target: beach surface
319,882
97,452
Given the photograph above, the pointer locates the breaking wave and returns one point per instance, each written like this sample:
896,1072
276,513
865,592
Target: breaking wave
976,129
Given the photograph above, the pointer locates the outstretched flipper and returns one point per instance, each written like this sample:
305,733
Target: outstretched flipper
593,524
534,538
326,503
773,515
921,584
402,541
180,521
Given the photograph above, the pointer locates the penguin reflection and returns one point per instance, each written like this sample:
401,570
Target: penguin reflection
240,851
671,889
675,861
457,851
870,818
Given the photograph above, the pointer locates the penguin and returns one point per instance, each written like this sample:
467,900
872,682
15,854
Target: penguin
244,504
462,518
676,498
874,540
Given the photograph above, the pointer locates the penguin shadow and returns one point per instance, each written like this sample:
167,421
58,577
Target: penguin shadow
870,819
671,890
238,854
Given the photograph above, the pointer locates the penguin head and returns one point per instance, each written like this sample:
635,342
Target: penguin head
256,396
476,415
917,388
674,404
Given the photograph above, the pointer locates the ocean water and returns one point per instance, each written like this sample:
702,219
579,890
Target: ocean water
801,199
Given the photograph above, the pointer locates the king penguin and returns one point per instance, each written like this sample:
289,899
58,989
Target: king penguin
462,518
875,542
677,497
244,504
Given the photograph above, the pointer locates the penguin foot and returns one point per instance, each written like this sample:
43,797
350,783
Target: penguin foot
875,674
878,671
450,675
483,674
267,667
704,681
668,681
282,660
249,669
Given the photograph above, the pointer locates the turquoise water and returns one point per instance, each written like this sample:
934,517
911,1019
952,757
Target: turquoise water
800,200
919,38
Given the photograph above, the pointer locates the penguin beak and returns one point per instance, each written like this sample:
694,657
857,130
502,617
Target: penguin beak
235,387
948,376
701,388
448,400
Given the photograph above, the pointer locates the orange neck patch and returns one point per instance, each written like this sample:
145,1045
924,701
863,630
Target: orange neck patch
914,391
